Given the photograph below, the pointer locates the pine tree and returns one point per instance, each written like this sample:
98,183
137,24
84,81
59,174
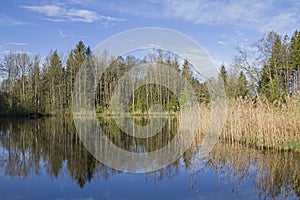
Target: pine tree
295,49
223,74
295,63
271,82
241,85
74,62
56,81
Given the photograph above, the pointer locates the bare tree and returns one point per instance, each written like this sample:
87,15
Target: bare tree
251,70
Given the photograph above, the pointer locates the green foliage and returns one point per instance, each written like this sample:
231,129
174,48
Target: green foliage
146,95
294,146
30,86
242,85
278,74
74,62
223,74
234,87
295,50
184,98
270,83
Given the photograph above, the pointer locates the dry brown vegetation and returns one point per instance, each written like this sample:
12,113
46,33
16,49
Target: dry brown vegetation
259,123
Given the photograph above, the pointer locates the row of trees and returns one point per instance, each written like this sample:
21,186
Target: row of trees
275,71
159,70
28,85
31,85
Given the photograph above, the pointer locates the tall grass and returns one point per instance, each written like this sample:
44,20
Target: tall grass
259,123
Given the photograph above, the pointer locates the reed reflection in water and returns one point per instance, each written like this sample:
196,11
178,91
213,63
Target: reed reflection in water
30,147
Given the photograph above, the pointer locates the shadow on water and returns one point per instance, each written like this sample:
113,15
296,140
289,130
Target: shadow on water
29,147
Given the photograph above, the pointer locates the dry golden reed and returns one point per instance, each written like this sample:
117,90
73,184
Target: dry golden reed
259,123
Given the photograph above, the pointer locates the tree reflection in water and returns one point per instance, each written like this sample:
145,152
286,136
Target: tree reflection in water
29,146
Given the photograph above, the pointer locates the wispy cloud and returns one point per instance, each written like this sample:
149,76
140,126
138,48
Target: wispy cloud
61,13
4,52
7,21
262,16
80,1
62,34
16,44
222,42
216,12
283,23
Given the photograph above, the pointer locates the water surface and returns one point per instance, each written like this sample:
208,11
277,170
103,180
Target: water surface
45,159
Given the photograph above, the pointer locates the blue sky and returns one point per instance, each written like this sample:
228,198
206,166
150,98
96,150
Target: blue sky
219,26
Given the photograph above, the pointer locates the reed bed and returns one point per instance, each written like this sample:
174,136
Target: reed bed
259,123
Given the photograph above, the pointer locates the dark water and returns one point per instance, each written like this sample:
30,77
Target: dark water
45,159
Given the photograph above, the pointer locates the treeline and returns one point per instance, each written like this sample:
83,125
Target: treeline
29,84
159,71
274,72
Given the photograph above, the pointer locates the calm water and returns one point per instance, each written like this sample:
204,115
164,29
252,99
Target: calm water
45,159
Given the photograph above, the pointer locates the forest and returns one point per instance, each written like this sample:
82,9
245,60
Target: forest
30,84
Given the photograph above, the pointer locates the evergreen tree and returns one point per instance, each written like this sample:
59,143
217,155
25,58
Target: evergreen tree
272,79
294,82
223,74
295,50
74,62
241,85
56,81
26,87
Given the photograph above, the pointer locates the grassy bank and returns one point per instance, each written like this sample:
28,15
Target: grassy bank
260,124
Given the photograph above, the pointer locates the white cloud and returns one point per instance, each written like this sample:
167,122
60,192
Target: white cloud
283,23
261,16
3,52
256,14
60,13
80,1
62,34
239,33
222,42
16,44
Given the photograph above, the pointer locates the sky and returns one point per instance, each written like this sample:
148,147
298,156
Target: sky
219,26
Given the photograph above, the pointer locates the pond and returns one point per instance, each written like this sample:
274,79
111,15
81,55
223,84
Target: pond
45,159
